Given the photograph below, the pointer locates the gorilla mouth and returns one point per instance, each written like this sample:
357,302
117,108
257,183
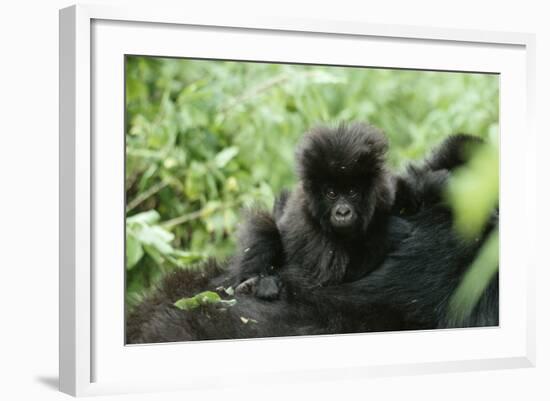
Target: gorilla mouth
343,224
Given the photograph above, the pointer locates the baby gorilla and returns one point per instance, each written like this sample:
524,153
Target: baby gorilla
332,228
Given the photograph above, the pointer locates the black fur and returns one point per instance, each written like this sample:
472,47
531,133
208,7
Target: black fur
260,249
452,153
280,204
156,319
321,239
416,281
422,183
400,276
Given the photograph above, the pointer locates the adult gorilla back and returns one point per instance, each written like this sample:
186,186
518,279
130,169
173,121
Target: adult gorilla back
157,319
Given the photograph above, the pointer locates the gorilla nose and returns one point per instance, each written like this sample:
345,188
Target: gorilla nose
343,211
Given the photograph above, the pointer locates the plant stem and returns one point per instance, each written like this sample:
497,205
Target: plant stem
145,195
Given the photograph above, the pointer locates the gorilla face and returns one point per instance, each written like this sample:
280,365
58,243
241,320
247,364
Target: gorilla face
344,179
342,214
343,208
341,203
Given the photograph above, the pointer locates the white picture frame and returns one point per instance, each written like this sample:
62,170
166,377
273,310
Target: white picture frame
94,360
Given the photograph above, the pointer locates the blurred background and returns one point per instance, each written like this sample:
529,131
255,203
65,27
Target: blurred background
206,138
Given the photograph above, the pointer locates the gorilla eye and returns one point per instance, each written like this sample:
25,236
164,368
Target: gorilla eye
331,193
353,193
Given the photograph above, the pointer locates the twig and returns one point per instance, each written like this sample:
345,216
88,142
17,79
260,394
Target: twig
195,215
145,195
144,153
255,92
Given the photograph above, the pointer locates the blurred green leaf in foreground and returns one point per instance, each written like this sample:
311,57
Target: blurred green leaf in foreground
473,193
474,190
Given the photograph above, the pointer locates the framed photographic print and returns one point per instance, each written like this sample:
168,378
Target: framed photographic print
356,197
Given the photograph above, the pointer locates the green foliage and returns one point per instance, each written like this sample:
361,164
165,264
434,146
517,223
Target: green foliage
473,193
475,281
202,299
473,190
143,237
206,138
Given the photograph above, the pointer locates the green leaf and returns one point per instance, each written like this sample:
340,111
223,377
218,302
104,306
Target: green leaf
156,237
473,191
183,258
134,251
202,299
148,217
215,222
476,279
187,303
154,254
228,302
225,156
208,297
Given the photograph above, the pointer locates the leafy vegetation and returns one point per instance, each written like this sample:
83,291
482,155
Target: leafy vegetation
473,194
206,138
